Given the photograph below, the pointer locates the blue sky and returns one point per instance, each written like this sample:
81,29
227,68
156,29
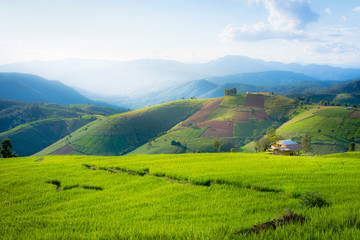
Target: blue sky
302,31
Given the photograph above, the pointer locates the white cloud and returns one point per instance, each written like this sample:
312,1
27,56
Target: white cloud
328,10
344,18
286,20
357,9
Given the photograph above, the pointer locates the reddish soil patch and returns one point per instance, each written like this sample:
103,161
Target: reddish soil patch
203,113
255,100
261,115
66,150
244,116
217,129
355,114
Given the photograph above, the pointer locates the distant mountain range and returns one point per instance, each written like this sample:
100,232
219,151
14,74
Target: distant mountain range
142,76
32,88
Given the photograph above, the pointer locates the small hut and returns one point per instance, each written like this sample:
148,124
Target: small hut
285,147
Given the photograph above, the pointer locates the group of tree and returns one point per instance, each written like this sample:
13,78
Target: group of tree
5,149
224,147
264,143
230,92
327,103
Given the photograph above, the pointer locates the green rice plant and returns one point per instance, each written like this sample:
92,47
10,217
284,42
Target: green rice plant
313,199
169,205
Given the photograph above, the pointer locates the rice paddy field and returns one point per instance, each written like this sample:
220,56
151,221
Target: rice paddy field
183,196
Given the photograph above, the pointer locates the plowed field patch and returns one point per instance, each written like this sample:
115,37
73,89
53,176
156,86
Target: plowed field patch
203,113
66,150
218,129
355,114
255,100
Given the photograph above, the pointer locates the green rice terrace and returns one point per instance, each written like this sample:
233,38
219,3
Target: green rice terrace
235,120
121,133
331,128
184,196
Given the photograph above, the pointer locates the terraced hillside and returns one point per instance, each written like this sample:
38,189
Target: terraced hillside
232,120
332,128
119,134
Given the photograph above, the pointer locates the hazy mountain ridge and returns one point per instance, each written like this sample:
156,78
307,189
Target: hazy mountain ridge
289,83
140,76
32,88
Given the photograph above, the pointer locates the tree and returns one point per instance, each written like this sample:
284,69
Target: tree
352,147
226,147
306,142
216,145
6,147
264,143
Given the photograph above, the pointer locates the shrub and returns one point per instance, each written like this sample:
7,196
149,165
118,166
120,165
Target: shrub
313,199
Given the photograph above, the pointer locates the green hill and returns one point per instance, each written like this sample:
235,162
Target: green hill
14,113
122,133
231,120
34,126
332,128
32,137
342,93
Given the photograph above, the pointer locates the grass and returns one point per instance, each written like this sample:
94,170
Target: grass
244,130
280,108
186,196
234,101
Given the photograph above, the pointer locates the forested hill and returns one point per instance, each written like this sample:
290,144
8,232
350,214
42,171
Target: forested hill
14,113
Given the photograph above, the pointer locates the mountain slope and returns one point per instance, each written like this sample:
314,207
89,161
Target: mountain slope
14,113
32,88
32,137
352,87
332,128
119,134
231,120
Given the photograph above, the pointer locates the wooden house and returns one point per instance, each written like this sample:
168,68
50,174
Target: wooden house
285,147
